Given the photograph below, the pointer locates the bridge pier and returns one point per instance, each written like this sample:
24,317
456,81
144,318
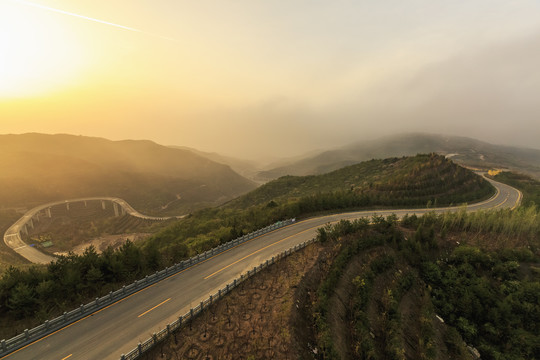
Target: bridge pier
85,204
116,212
49,213
103,204
31,222
25,229
67,206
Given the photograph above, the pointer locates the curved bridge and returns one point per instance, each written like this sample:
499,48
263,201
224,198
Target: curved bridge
13,237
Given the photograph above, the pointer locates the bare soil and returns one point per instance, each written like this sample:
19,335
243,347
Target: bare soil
253,322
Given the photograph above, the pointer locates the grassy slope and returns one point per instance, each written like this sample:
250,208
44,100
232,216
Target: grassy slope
528,186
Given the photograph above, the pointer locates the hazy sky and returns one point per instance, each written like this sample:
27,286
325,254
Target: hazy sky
271,78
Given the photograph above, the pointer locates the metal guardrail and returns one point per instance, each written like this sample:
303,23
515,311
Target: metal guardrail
50,326
193,312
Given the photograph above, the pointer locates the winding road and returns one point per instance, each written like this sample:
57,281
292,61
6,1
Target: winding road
13,239
115,330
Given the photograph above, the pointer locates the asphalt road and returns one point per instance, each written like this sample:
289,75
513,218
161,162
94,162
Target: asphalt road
119,328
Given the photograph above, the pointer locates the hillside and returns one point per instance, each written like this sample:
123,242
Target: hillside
416,181
245,168
394,182
426,289
448,286
38,168
463,150
407,181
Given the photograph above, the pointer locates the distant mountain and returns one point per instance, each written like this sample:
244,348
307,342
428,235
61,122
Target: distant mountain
245,168
37,168
463,150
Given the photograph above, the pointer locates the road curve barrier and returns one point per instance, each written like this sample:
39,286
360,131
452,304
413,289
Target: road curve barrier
162,335
50,326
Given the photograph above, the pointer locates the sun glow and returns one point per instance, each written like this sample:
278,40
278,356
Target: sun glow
39,53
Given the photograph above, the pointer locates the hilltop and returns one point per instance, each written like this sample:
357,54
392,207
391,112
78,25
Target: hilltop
406,181
38,168
463,150
417,181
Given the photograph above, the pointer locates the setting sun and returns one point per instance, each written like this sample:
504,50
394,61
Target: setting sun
38,52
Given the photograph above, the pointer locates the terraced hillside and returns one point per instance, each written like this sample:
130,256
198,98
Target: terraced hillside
440,287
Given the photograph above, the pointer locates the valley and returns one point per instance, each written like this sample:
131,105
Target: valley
502,200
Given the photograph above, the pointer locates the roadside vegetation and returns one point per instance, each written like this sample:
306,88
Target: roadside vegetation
486,292
529,186
428,287
419,181
253,321
28,297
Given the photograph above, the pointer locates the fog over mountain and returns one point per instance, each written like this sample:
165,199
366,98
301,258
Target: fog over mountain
466,151
266,80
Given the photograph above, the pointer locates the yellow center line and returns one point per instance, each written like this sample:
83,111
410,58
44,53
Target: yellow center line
261,249
488,200
67,357
520,195
158,305
505,200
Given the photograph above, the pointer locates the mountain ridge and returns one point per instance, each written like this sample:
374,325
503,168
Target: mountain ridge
44,167
468,151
